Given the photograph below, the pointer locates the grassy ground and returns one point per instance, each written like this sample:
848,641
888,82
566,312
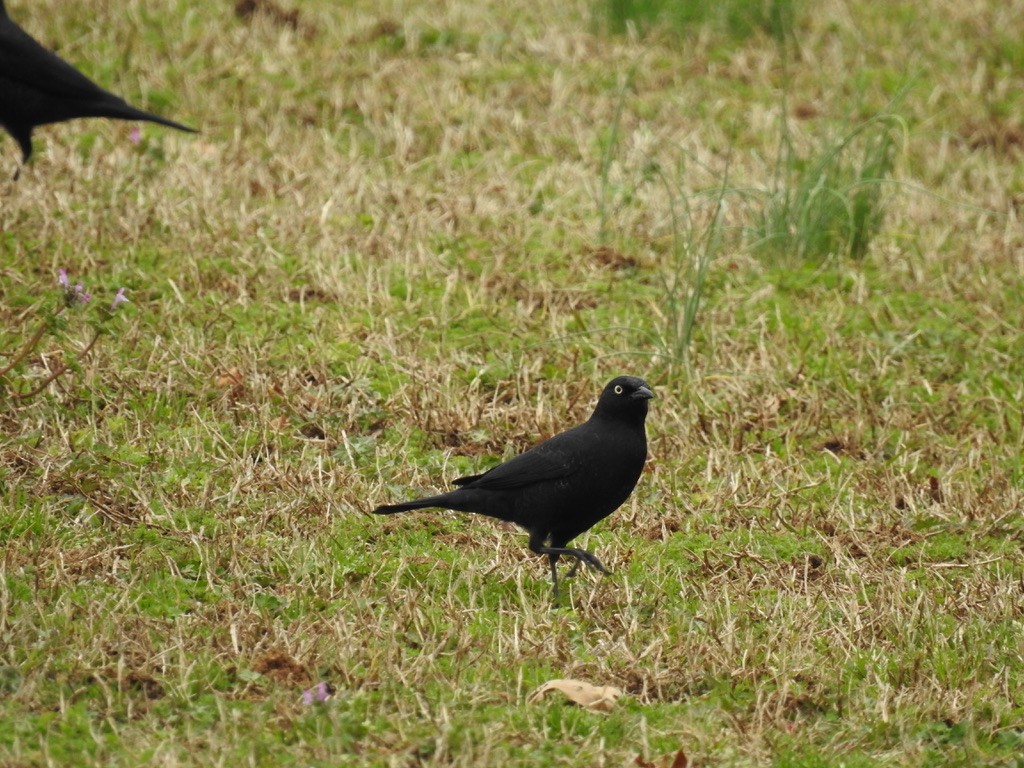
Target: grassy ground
413,239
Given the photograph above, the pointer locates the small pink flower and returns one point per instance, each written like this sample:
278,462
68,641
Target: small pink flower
318,694
135,135
72,295
119,299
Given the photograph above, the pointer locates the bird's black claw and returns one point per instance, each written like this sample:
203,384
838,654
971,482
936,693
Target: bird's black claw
588,560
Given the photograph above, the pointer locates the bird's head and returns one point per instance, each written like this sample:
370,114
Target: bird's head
624,396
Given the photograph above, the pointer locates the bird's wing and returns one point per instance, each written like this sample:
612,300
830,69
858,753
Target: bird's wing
543,462
24,60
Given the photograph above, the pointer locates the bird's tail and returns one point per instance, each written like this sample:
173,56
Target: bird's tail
164,121
116,107
407,506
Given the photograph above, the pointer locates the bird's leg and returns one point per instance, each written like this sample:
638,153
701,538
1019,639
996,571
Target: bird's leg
552,559
537,545
582,556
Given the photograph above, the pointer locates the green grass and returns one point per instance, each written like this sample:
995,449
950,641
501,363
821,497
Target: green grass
738,18
830,203
410,242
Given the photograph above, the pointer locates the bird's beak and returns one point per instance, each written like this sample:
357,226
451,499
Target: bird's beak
642,394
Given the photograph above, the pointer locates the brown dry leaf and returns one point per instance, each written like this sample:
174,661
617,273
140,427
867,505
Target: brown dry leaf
232,377
679,761
600,699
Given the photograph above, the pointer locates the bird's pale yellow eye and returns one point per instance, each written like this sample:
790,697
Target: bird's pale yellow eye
618,389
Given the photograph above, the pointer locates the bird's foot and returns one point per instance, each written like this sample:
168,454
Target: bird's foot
588,559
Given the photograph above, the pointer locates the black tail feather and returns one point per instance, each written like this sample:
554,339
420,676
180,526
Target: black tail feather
115,107
408,506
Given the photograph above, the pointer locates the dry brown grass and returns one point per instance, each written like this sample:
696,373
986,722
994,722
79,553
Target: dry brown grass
379,266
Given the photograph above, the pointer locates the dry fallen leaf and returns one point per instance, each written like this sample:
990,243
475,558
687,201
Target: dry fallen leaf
232,377
601,699
679,761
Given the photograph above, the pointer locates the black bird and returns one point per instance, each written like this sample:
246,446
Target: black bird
38,87
563,486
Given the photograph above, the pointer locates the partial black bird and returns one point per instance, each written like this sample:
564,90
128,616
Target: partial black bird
38,87
563,486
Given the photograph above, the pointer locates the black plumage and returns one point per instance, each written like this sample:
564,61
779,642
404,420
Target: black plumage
38,87
563,486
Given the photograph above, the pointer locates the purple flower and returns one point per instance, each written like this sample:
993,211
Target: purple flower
119,299
135,135
319,693
72,295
